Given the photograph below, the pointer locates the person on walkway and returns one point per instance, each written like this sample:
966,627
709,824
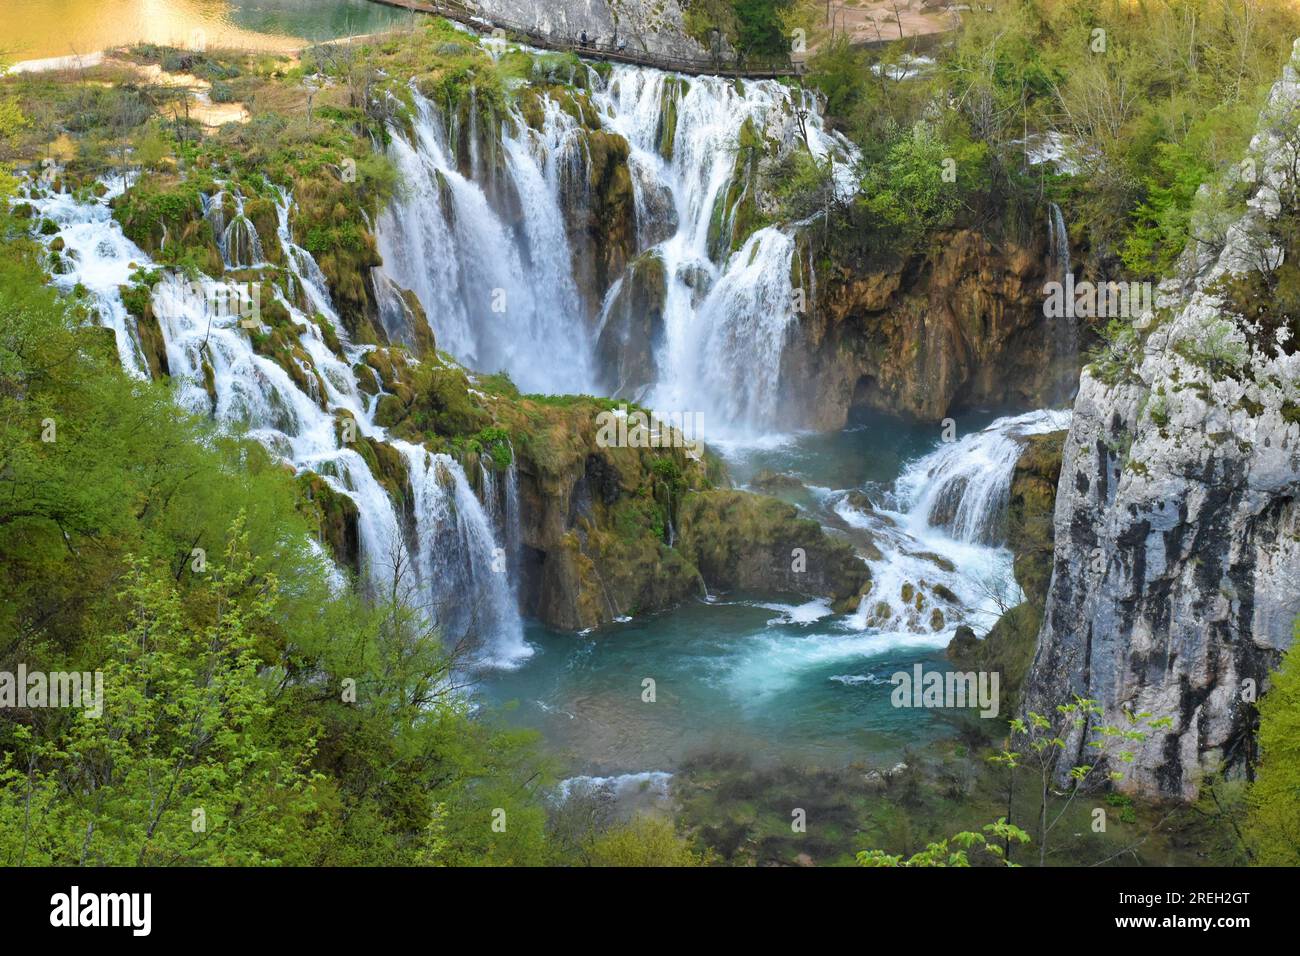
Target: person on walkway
582,40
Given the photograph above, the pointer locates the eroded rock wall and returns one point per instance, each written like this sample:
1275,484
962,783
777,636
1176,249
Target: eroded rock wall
1176,575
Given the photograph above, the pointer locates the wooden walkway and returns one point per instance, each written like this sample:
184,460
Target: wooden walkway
568,44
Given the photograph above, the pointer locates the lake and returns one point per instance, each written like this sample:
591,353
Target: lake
36,29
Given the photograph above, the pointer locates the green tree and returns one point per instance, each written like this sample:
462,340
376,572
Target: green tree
759,29
644,841
954,851
1042,743
1273,816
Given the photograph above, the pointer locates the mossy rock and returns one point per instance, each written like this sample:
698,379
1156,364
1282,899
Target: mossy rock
265,218
626,349
1007,649
1031,507
752,542
152,343
335,517
163,215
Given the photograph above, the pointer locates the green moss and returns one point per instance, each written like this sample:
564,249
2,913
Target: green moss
164,216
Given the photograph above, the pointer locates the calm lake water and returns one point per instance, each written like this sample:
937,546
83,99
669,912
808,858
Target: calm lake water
35,29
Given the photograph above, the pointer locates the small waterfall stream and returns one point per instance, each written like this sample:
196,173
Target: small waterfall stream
940,533
963,485
1064,330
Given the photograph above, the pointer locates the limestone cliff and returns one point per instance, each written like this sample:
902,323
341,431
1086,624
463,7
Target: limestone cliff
650,26
1176,575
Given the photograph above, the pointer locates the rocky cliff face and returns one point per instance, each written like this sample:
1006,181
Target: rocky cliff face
1176,575
614,532
960,327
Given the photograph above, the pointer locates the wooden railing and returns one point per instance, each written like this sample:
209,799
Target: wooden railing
592,50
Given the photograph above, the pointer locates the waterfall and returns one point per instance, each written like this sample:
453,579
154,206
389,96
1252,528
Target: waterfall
1064,330
237,240
497,295
713,336
939,534
963,486
100,258
726,318
216,371
1058,240
465,575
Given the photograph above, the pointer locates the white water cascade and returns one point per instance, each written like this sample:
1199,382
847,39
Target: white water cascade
1064,330
216,371
963,485
940,535
497,299
237,240
726,315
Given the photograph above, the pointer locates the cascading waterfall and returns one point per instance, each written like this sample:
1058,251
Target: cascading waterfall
1064,330
237,240
465,574
725,321
216,371
726,315
497,296
963,485
951,505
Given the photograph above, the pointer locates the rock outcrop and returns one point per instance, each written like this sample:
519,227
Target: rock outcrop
741,541
1176,575
957,328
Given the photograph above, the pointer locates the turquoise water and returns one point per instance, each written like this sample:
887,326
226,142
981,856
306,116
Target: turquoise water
775,677
315,19
737,675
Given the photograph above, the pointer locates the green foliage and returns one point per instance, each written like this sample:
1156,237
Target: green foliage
644,841
1273,819
759,29
1116,355
307,726
1167,102
907,193
954,851
1042,742
1218,348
